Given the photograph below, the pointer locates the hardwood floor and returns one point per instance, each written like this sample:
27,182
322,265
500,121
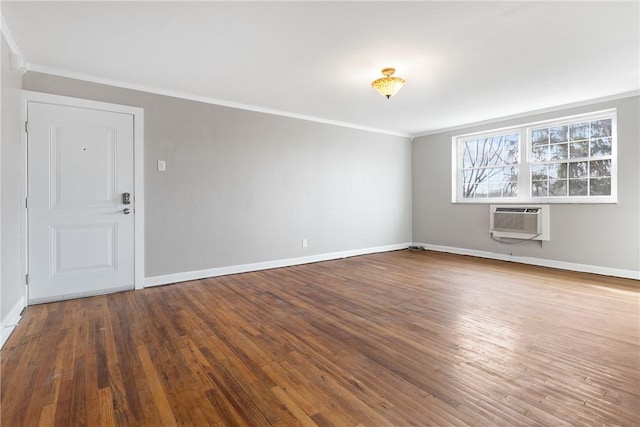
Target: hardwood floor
394,339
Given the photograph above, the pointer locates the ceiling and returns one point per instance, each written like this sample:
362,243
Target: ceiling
464,62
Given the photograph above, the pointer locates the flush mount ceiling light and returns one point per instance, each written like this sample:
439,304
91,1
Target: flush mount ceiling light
387,85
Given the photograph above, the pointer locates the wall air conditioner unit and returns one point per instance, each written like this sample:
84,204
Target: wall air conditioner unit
520,221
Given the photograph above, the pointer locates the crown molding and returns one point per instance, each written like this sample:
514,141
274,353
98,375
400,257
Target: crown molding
19,63
207,100
531,113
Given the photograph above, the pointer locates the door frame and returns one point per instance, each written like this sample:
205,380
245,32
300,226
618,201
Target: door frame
138,172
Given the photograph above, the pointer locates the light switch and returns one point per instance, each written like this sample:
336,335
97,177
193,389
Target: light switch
162,165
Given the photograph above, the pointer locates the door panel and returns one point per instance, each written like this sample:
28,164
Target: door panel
80,163
68,243
86,151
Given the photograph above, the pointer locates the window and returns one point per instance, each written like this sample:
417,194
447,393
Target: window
489,166
569,160
572,160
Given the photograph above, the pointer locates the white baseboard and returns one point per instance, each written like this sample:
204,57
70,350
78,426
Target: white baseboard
11,320
605,271
245,268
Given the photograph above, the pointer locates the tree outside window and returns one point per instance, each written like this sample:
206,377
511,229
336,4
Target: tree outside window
490,166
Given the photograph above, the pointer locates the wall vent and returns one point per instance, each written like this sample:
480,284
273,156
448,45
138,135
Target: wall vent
520,222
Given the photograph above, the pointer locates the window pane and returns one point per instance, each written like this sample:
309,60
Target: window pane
469,154
559,151
467,190
539,188
601,147
558,188
511,150
480,175
601,128
510,189
577,187
481,191
539,136
492,150
539,172
558,134
579,131
469,183
579,149
540,154
577,170
600,168
507,189
502,150
495,190
600,187
558,170
512,138
510,174
493,174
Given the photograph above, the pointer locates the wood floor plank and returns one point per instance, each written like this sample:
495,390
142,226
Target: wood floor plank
105,406
47,416
398,338
155,387
303,418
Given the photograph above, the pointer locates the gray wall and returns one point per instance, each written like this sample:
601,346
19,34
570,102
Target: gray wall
12,286
244,187
598,235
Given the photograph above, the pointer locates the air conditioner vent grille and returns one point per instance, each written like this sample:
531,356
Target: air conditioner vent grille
518,222
518,210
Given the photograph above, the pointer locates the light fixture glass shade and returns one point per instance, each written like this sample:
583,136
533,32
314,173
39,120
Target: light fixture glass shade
388,86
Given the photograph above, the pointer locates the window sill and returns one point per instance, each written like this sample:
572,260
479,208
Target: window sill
546,201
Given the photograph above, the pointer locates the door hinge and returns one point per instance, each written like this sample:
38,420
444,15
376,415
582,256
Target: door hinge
26,203
27,279
26,127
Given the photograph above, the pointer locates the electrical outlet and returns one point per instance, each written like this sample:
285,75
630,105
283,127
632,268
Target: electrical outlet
304,243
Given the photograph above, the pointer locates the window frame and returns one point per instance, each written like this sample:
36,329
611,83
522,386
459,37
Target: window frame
525,163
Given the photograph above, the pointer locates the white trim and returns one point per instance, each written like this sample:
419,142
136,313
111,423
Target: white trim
138,144
245,268
12,44
11,320
138,191
553,109
47,98
562,265
206,100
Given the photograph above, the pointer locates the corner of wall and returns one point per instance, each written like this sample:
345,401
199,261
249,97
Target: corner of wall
12,292
11,320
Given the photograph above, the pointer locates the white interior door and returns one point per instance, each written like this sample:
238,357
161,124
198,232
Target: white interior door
81,231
